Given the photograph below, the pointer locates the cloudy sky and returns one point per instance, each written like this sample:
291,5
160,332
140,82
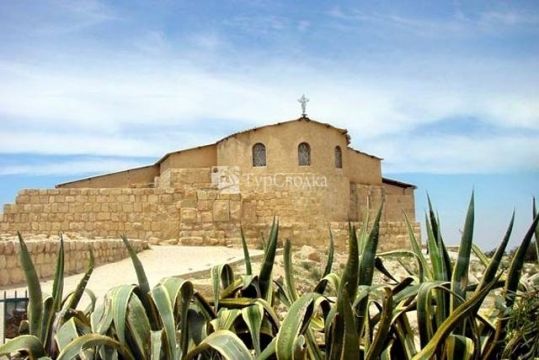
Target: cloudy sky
446,92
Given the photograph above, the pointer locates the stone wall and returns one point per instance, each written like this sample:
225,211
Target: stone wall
138,213
366,199
44,254
186,208
393,234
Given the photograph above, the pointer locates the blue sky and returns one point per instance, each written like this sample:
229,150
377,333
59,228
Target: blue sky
445,92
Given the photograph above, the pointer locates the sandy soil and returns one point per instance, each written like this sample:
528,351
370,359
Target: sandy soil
159,262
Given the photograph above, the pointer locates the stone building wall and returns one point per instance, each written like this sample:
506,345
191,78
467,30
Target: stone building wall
44,254
186,207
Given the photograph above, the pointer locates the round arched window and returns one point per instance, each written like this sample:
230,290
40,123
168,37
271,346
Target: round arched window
259,154
304,154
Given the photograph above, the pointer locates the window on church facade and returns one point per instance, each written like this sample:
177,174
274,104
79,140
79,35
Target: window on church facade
259,155
304,154
338,157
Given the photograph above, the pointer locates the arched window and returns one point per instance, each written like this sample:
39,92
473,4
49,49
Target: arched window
259,154
338,157
304,154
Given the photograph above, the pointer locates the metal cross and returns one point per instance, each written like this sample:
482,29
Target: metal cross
303,101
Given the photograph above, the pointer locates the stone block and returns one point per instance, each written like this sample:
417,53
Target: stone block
188,215
235,210
103,216
189,203
9,248
206,216
204,205
221,210
4,278
192,240
15,276
166,199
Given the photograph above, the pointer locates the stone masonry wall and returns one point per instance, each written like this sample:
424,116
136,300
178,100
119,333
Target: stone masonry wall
138,213
186,208
207,216
393,234
44,254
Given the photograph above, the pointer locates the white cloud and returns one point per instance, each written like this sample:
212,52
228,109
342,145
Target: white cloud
75,143
72,167
446,154
158,98
462,24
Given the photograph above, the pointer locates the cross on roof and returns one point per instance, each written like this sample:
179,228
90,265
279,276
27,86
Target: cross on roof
303,101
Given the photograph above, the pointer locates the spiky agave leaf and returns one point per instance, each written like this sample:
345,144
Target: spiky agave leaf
70,330
464,310
58,284
35,296
74,299
294,325
253,316
289,272
382,330
511,284
496,260
165,310
344,335
246,256
181,293
459,278
222,276
416,248
226,343
120,297
143,284
269,259
331,252
534,215
73,349
29,344
366,271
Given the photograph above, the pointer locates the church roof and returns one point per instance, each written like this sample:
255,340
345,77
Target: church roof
397,183
303,118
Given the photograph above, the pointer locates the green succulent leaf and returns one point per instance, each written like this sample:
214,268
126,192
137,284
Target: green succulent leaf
246,256
226,343
269,259
24,343
35,303
74,348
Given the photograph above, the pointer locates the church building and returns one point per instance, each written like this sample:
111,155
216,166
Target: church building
301,171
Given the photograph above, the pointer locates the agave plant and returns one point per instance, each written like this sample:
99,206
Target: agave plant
344,316
48,313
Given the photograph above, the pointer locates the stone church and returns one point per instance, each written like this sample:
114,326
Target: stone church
302,171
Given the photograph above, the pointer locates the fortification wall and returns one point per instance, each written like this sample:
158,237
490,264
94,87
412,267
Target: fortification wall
44,254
